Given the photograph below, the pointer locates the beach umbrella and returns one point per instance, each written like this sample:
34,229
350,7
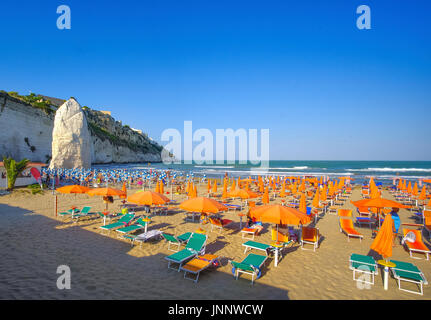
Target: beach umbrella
423,194
382,244
303,203
148,198
378,203
214,188
233,187
106,192
124,189
427,180
316,200
73,189
202,205
157,187
279,214
243,194
265,197
400,184
415,189
283,189
161,187
208,186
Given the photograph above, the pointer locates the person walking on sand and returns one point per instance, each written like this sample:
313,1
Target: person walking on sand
396,220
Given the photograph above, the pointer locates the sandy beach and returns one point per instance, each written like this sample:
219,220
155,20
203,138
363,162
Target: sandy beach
34,243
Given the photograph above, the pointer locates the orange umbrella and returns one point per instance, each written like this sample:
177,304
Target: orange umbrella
233,187
73,189
124,189
243,194
148,198
415,189
202,205
382,244
378,203
157,187
279,214
161,187
105,192
265,197
427,180
316,200
283,190
423,194
214,189
303,203
209,186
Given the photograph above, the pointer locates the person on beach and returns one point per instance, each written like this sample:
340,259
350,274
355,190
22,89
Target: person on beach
396,220
252,223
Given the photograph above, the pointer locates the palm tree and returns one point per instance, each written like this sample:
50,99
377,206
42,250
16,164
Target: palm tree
13,169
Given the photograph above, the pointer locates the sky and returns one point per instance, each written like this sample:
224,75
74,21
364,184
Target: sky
302,69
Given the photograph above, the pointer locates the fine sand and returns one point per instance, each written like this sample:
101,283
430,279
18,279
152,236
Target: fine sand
33,243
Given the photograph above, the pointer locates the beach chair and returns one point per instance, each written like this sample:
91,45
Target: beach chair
67,213
122,222
416,246
252,265
346,226
363,212
195,266
84,213
249,233
195,246
310,235
249,245
364,265
219,223
427,222
143,237
138,225
178,241
408,272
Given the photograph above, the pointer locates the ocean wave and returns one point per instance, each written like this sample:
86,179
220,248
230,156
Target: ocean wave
215,167
391,170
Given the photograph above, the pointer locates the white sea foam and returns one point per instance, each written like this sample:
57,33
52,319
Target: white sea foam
215,167
391,170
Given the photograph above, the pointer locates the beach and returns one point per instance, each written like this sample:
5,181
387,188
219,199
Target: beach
34,243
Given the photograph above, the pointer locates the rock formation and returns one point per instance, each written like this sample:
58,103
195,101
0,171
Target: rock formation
71,140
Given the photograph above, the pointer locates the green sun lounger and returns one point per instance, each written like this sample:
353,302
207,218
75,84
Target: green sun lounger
257,246
195,245
138,225
405,271
66,213
84,213
363,265
252,265
124,221
178,241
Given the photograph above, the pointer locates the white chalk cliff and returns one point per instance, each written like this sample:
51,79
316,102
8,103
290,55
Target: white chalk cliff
71,140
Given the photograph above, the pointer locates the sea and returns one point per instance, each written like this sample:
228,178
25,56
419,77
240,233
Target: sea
386,171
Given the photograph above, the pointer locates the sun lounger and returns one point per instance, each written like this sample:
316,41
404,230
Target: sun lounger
364,220
248,233
195,246
219,223
138,225
311,236
176,240
346,226
124,221
84,213
143,237
252,265
344,213
408,272
232,206
363,264
427,222
66,213
199,264
249,245
417,245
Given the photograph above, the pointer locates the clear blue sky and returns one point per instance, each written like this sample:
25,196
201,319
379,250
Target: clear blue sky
325,89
